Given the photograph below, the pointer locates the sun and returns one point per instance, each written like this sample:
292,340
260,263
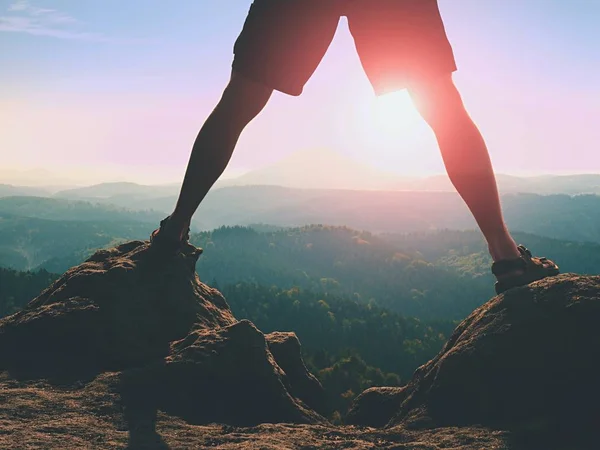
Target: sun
384,125
394,113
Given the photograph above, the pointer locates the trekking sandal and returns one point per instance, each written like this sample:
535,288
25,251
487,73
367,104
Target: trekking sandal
159,238
532,269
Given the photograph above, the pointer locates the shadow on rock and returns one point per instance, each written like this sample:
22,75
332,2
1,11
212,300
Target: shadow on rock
226,375
140,404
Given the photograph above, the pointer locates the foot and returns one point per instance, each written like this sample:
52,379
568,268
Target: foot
522,270
169,237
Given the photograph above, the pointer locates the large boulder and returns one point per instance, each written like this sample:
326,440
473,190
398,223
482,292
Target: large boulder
224,375
119,309
527,360
174,341
375,406
285,348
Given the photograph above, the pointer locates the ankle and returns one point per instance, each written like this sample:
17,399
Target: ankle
176,227
504,249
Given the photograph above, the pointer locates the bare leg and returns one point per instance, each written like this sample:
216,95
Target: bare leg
241,102
466,159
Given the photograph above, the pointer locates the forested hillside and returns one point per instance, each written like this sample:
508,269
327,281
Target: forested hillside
439,274
18,288
559,216
86,211
428,275
29,243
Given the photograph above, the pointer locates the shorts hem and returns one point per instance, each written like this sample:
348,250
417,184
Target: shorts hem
261,79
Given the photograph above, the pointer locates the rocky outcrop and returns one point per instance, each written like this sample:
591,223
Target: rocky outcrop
119,309
228,376
285,348
527,361
173,339
375,406
147,343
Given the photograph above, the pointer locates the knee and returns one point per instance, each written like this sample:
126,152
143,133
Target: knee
243,99
439,102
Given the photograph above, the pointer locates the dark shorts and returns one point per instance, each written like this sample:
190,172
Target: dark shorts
398,41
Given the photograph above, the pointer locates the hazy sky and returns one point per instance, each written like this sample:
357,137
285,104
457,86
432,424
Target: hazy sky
121,87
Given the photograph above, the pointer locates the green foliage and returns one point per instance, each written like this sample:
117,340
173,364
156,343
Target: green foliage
433,275
334,260
18,288
350,346
29,243
466,253
347,378
56,234
63,209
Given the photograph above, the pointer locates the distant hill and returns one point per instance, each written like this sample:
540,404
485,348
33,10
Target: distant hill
439,274
375,211
508,184
316,169
28,243
428,275
41,178
58,233
327,169
129,192
573,218
570,217
62,209
334,171
8,190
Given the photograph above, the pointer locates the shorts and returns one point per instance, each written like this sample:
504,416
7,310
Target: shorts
399,42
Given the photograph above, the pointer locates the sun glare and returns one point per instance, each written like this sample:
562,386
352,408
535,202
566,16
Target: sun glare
395,113
387,127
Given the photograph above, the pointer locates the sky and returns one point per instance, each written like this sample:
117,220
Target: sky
117,90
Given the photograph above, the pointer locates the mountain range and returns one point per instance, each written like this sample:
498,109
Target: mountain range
308,169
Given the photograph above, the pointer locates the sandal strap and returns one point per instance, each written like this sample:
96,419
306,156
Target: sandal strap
524,251
505,266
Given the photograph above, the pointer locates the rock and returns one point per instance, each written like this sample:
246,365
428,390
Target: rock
171,352
36,415
285,348
527,361
171,340
119,309
375,406
225,375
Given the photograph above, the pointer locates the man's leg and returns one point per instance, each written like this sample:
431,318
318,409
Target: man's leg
466,159
400,42
404,44
241,102
280,46
469,167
